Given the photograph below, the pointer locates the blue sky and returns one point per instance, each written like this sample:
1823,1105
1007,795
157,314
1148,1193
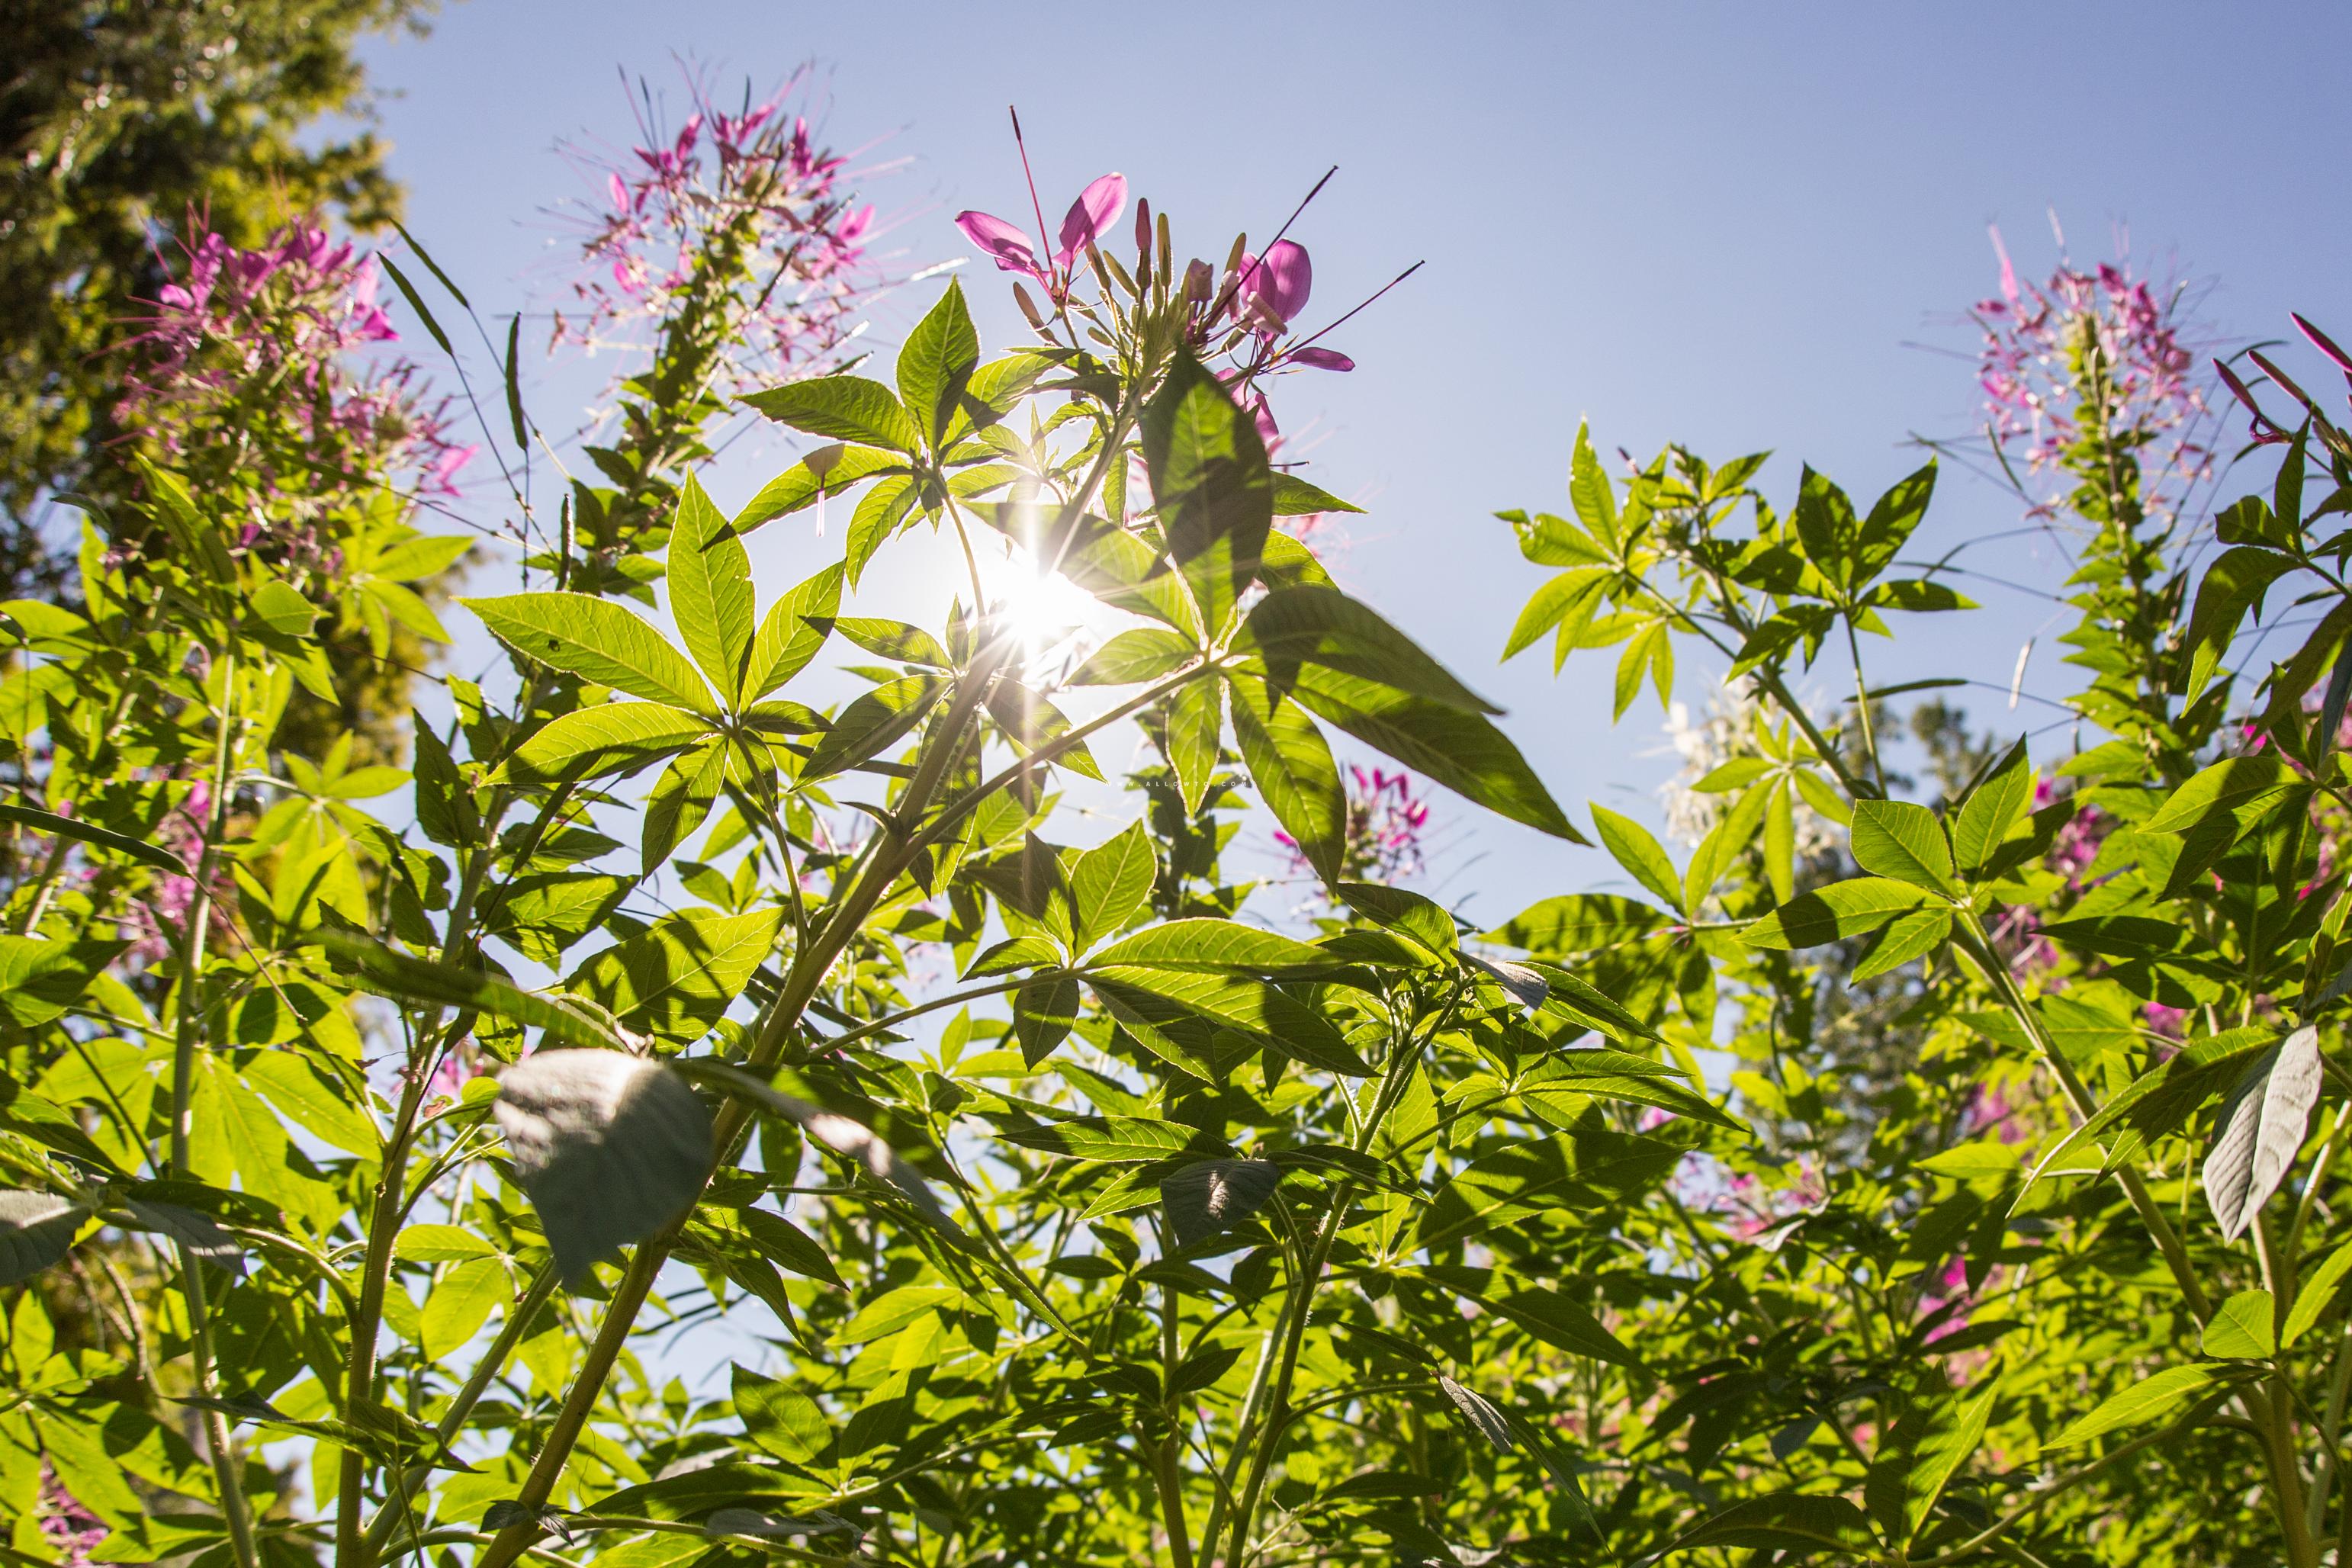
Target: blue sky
1722,224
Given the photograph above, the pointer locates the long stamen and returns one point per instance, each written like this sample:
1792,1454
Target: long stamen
1045,241
1383,288
1244,276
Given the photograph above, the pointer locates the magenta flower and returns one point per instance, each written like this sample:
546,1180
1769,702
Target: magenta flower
1269,291
1089,218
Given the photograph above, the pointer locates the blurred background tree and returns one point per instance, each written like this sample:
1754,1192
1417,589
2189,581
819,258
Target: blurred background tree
118,120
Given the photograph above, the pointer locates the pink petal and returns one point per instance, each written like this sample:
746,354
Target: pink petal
1002,240
1097,208
1323,359
1283,279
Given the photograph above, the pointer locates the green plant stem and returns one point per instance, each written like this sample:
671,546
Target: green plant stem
352,1545
1861,706
1399,1073
1167,1471
227,1466
461,1404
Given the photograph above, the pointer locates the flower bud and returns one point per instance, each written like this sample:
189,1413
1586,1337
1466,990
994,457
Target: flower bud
1028,307
1197,277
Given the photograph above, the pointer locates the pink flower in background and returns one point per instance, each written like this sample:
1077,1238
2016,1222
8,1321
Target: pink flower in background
2172,1023
1952,1292
254,360
751,190
1385,823
2034,340
71,1531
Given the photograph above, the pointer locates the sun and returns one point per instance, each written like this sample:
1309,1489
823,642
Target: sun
1049,614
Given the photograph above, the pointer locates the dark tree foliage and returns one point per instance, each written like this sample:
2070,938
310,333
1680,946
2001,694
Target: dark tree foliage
118,120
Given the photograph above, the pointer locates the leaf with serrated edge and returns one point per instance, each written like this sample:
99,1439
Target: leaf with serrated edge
610,1148
2142,1401
597,641
1898,839
2260,1129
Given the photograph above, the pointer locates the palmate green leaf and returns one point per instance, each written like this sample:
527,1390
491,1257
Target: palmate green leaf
1294,497
1589,490
1562,1082
709,582
1893,518
823,473
937,362
1633,847
1921,1454
879,514
1464,751
895,641
543,914
2222,789
1841,910
1588,1169
842,408
1044,1011
676,979
1030,721
1910,936
610,1147
1898,839
37,1230
789,635
2145,1400
678,801
1108,1139
597,641
2260,1129
2316,1294
781,1418
1421,919
1545,1314
2234,584
1577,922
2157,1102
1110,884
40,979
1826,526
1209,1197
1212,485
1196,723
1291,765
1557,600
1145,653
1322,626
873,724
2243,1327
1216,947
1991,809
460,1303
1154,999
610,738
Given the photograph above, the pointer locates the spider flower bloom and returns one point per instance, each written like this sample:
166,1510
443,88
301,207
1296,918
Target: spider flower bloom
736,217
1270,291
1088,219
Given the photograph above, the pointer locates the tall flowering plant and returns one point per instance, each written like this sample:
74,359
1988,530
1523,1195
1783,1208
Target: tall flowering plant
726,253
